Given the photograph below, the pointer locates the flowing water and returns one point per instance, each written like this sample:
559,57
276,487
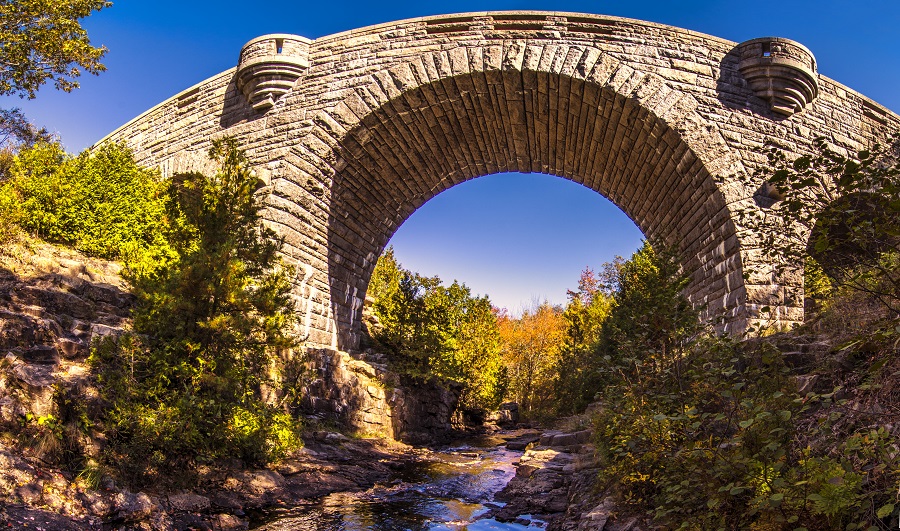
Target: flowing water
447,495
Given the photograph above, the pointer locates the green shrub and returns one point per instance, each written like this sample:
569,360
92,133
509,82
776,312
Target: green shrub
190,388
708,433
99,202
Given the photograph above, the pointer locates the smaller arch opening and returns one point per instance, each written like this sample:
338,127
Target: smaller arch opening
849,231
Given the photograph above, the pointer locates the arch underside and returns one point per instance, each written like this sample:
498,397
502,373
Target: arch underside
442,133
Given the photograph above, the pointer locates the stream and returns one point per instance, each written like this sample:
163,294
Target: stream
446,494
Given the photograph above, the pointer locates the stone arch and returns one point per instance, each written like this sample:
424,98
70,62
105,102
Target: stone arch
423,126
419,105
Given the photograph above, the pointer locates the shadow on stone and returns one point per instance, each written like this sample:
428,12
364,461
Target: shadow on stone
734,92
235,108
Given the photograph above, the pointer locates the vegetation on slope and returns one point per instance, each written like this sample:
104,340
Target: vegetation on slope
791,431
197,381
99,202
707,432
191,386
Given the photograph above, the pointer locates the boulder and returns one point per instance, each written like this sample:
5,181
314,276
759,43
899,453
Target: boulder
71,348
521,442
229,522
189,502
132,507
508,414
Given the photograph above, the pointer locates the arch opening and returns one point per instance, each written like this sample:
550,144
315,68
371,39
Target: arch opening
436,135
518,238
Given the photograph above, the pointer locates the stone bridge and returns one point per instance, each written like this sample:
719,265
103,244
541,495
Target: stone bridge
353,132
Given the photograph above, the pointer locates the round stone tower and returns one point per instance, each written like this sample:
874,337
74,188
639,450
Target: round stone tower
269,66
780,71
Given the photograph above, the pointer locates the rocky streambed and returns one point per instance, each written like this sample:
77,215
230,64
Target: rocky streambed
38,497
506,481
447,489
511,480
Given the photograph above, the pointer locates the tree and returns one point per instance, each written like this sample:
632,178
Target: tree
474,341
640,362
434,331
413,329
531,346
16,133
193,385
651,320
576,371
228,294
42,40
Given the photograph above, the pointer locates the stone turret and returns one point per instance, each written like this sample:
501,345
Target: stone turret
269,66
780,71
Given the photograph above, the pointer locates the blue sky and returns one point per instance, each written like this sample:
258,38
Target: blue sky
484,232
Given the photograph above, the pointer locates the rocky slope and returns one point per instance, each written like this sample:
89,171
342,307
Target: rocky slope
35,495
54,302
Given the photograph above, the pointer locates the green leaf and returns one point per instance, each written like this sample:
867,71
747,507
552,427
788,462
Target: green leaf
746,423
885,510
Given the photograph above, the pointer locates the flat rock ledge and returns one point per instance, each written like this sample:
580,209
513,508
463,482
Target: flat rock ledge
36,497
554,482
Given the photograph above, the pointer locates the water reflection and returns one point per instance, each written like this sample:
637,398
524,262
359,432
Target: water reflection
448,495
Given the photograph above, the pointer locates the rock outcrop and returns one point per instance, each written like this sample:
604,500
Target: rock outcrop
360,391
53,303
555,482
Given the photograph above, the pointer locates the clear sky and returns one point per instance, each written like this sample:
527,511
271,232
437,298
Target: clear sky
483,232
